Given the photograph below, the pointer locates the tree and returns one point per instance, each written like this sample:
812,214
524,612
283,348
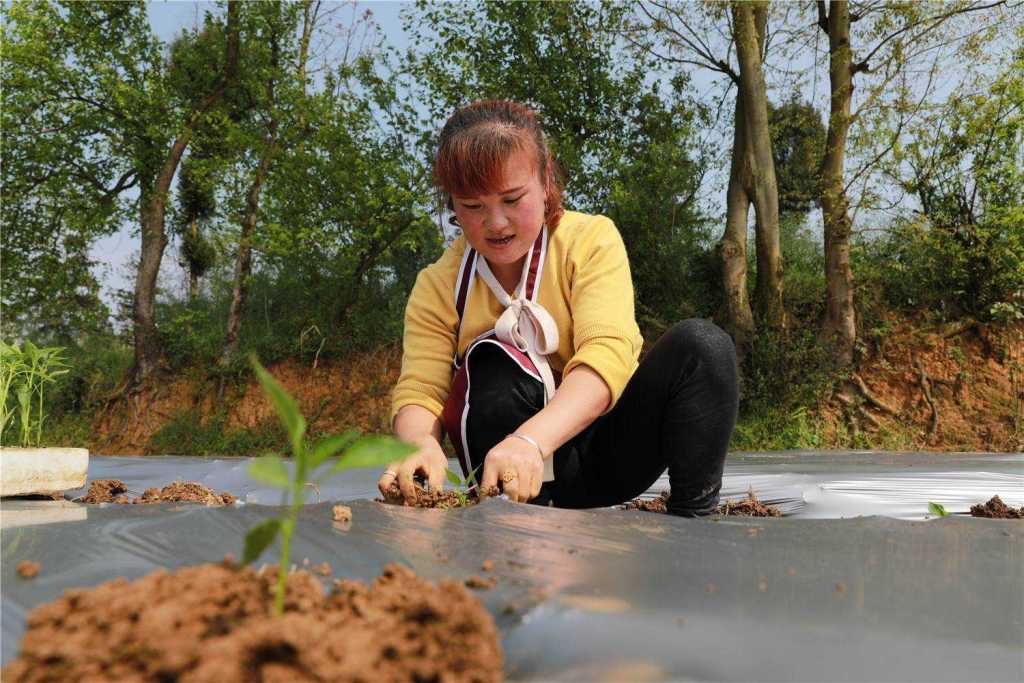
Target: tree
894,37
716,36
798,143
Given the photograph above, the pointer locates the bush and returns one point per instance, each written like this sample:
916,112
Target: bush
187,434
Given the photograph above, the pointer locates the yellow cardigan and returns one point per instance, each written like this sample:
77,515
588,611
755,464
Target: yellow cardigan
585,286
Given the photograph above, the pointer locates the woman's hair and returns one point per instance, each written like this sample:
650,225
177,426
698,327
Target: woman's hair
475,143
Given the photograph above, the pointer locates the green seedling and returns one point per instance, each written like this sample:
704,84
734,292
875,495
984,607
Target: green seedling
937,510
25,372
356,451
463,486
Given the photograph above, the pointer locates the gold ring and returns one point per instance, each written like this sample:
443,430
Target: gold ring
508,475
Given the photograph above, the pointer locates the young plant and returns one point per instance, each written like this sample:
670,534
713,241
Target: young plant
356,451
26,372
463,486
937,509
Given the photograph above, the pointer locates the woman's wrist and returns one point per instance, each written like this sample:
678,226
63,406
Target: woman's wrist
532,441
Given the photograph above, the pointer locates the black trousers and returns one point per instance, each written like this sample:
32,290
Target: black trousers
677,413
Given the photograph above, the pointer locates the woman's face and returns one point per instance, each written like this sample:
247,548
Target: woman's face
502,226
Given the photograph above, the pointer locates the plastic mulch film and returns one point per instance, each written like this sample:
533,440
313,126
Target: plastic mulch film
627,595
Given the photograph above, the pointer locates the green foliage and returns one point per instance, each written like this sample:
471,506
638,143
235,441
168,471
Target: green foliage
24,373
189,432
369,451
937,509
798,145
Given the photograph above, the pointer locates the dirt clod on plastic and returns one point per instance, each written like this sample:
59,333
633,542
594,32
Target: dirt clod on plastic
115,491
481,583
745,507
441,499
341,513
212,622
995,508
28,569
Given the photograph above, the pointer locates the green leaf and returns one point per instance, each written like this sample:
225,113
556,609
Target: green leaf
285,405
453,478
937,509
330,446
258,538
373,451
270,469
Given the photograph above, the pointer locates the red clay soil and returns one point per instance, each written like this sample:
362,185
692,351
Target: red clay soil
745,507
28,569
956,386
443,499
996,509
115,491
215,623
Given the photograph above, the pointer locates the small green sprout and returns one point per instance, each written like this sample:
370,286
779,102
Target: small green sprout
937,510
463,486
356,451
25,372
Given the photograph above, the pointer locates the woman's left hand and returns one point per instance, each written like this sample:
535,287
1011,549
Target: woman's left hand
518,466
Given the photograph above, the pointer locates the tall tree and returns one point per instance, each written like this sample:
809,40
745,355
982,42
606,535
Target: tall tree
152,209
730,39
893,36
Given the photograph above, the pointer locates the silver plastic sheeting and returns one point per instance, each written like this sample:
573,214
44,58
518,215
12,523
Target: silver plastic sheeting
626,595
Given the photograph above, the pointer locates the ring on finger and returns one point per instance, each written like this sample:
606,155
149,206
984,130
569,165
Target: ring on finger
391,472
508,476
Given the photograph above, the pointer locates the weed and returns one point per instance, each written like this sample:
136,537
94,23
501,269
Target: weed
356,451
937,509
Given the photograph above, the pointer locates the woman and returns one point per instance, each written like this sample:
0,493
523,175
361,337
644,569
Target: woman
521,343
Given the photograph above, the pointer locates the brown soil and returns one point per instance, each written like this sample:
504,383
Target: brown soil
215,623
341,513
973,377
115,491
745,507
481,583
28,569
996,509
443,499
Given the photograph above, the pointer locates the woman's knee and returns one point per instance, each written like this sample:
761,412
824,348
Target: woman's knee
702,340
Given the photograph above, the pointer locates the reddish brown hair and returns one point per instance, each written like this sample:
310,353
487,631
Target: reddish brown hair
475,143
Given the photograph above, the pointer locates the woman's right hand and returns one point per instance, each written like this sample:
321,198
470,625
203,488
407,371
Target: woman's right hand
429,461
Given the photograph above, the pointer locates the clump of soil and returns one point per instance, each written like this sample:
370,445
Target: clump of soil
746,507
481,583
28,569
215,622
442,499
341,513
996,509
115,491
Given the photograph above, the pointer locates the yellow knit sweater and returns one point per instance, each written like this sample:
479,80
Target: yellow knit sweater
585,286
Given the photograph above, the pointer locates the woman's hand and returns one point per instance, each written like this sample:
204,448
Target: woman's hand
429,461
518,465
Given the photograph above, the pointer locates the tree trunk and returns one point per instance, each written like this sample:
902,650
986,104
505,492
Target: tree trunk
193,275
732,250
750,24
152,209
839,325
243,261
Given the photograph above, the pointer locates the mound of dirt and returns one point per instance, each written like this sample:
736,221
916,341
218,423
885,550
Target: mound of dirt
745,507
115,491
215,623
996,509
442,499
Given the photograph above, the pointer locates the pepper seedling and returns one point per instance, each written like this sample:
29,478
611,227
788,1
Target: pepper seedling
356,451
937,509
463,486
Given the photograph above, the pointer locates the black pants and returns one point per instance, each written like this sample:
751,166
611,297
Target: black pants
677,412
